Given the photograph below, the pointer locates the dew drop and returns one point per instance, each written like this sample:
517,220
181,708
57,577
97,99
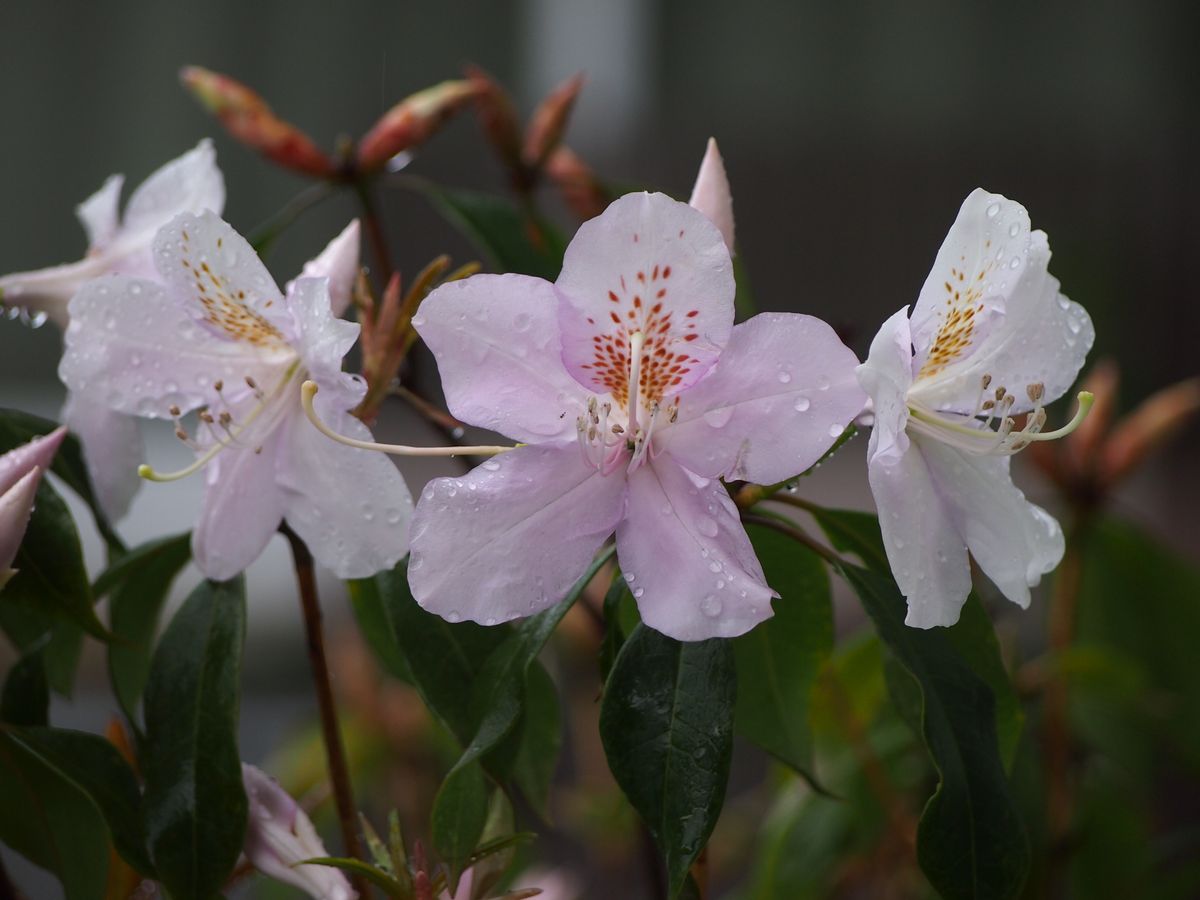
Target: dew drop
418,321
719,417
522,321
802,404
637,593
368,511
714,566
835,430
993,210
706,526
393,516
491,465
1013,230
630,577
1063,302
453,616
1075,325
711,606
784,377
822,383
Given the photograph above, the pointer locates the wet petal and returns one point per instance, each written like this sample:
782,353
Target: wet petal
687,558
782,391
37,453
339,262
323,340
189,183
886,377
510,537
49,291
496,341
112,450
651,264
99,213
16,506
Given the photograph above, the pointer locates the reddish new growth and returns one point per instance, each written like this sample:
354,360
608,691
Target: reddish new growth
638,306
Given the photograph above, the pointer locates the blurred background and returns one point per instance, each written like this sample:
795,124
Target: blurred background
851,133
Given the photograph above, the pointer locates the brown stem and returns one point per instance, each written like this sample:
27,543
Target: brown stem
339,773
375,235
796,533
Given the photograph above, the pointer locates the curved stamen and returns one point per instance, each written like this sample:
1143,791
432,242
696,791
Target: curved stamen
1003,440
309,389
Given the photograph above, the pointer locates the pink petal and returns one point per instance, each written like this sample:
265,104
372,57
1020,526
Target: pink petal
218,279
242,509
886,377
99,213
351,506
37,453
511,537
112,450
189,183
322,340
926,554
687,558
16,506
48,291
651,264
496,341
782,391
711,194
339,262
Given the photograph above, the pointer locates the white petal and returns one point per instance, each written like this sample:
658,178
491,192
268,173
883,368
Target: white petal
711,194
322,340
351,506
49,291
112,450
927,556
99,213
339,262
886,376
189,183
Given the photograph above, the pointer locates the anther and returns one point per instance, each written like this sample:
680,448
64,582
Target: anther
1035,391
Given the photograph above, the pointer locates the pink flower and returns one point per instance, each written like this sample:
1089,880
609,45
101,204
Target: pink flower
632,393
20,473
116,244
218,337
279,836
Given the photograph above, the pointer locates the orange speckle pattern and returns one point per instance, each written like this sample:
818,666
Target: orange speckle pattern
227,309
964,296
638,303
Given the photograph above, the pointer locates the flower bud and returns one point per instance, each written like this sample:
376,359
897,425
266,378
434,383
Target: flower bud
248,118
1148,427
1080,450
549,122
20,473
581,190
412,121
498,117
711,194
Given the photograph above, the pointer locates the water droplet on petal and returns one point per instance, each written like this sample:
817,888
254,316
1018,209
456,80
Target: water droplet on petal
453,616
706,526
784,377
491,465
835,430
711,606
802,404
522,321
993,210
719,417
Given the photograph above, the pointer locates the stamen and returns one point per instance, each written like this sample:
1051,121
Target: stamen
309,389
1003,440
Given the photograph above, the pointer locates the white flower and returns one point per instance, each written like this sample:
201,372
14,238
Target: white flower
191,183
216,336
989,340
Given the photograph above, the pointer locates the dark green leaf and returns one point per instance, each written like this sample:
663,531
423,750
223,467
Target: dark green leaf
779,660
51,575
512,242
17,427
139,583
373,612
60,640
539,738
195,803
460,813
377,877
666,722
50,821
26,696
97,768
851,531
743,300
971,842
614,630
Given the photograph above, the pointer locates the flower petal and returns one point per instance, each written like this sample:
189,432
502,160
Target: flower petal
1014,541
112,449
782,391
687,558
37,453
510,537
886,377
218,280
711,194
99,214
48,291
339,262
133,349
350,506
925,551
189,183
651,264
16,506
496,341
241,510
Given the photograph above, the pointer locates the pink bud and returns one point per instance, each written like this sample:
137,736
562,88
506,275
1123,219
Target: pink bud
20,474
497,116
581,190
248,118
711,194
549,122
412,121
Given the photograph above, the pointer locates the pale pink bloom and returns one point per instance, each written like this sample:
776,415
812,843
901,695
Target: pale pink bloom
633,394
216,336
21,472
711,194
116,245
990,338
279,836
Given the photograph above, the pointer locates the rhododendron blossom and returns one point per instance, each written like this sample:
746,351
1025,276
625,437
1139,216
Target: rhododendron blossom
21,471
216,336
990,339
116,244
633,394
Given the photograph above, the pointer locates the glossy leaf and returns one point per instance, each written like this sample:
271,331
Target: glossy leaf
538,738
139,584
778,662
25,699
971,842
460,813
376,876
666,722
195,804
60,641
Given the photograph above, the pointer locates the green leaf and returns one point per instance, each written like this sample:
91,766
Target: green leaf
195,804
743,299
50,821
139,583
373,612
51,575
26,696
614,629
376,876
17,427
971,842
60,641
460,813
779,660
666,722
511,241
97,768
539,738
851,531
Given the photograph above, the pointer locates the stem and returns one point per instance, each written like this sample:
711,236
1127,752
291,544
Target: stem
796,533
339,773
375,235
265,235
